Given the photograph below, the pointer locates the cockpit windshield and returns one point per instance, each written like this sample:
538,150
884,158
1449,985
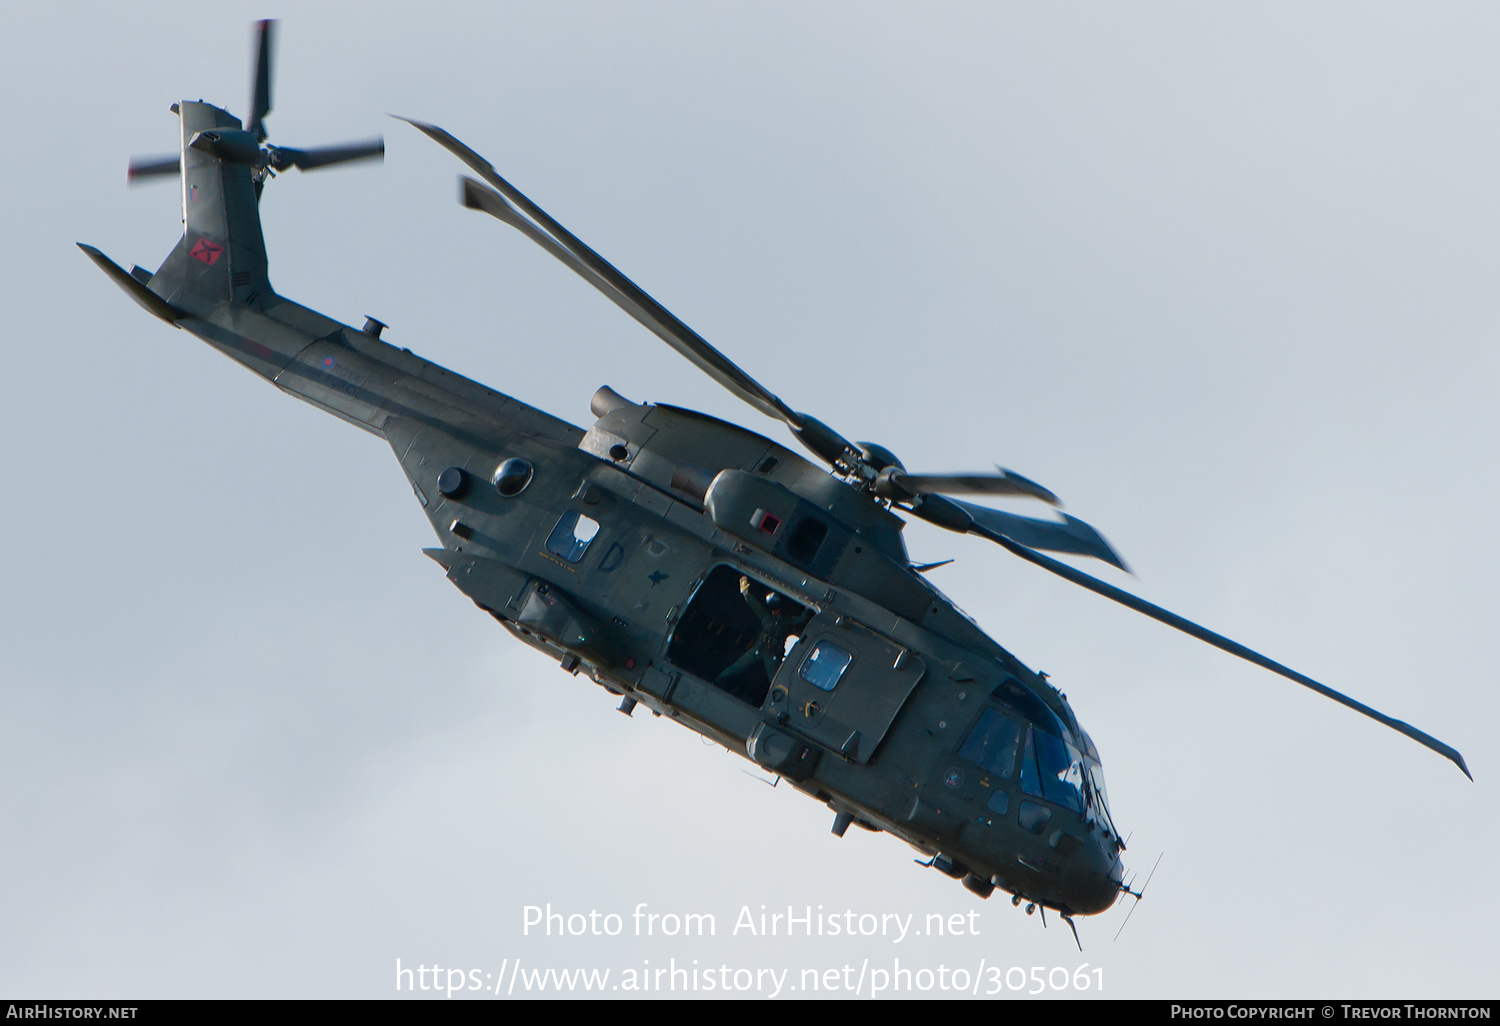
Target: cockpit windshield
1052,766
1097,796
1052,769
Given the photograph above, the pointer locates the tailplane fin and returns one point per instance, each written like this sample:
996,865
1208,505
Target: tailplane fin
222,255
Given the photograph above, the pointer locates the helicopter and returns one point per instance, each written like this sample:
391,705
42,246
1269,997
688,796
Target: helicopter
687,564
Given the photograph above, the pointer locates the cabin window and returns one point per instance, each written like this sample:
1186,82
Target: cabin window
1033,816
825,665
999,802
734,633
570,539
993,743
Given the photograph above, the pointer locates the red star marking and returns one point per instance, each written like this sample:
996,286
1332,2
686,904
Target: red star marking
206,251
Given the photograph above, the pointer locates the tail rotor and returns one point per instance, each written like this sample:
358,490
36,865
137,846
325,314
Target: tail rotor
247,146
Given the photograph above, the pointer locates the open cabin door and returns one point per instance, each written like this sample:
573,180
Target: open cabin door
842,685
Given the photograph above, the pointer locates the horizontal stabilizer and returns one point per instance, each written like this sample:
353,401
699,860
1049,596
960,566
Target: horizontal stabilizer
446,558
152,303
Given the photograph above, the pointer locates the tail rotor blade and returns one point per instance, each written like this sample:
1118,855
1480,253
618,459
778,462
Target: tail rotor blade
260,90
477,196
326,156
153,168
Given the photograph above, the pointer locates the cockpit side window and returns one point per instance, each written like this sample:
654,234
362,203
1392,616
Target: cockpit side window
992,744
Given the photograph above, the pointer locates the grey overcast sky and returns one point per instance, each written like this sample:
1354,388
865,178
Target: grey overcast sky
1223,276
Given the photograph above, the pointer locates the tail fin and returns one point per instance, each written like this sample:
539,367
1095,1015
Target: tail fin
222,255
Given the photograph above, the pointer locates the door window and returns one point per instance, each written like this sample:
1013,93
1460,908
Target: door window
825,665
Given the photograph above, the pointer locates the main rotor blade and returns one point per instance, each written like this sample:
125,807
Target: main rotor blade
323,156
663,323
260,88
478,196
1072,535
813,433
1171,619
1006,482
153,168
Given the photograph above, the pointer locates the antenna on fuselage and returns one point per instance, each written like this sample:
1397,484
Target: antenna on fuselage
1074,927
1137,895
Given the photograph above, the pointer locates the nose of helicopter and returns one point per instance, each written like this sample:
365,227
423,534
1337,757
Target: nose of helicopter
1091,881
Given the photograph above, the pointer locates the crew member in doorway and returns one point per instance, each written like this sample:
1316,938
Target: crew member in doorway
778,622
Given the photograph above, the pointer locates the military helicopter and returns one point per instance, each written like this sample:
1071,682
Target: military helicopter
688,564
